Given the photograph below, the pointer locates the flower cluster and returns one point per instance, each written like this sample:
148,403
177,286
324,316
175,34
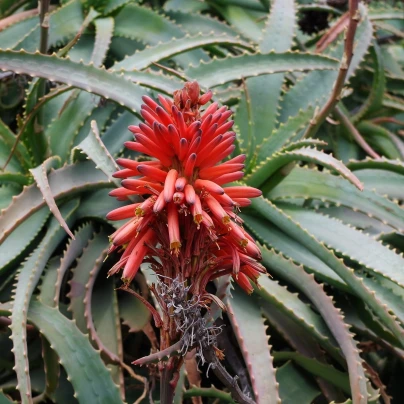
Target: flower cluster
187,225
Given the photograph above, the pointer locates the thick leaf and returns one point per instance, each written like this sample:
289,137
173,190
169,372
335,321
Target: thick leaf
40,175
89,376
155,80
9,138
146,57
331,315
72,251
282,135
109,85
383,182
117,133
250,332
104,28
248,23
264,92
326,372
107,327
294,386
395,166
277,216
278,160
26,282
152,28
95,149
66,181
88,265
351,243
220,71
19,240
69,122
196,24
375,98
275,238
64,23
13,34
312,184
300,340
300,313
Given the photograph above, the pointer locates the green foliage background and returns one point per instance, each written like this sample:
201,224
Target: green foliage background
333,310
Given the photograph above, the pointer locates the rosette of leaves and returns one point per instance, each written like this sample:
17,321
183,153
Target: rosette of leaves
333,310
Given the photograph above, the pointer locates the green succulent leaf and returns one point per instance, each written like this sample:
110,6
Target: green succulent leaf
152,28
277,216
88,78
26,282
40,175
249,329
268,167
350,242
221,71
66,181
89,376
306,183
146,57
331,315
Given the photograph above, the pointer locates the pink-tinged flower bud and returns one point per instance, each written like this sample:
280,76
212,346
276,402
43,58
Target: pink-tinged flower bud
125,212
217,209
137,255
242,192
242,202
152,172
180,183
160,203
145,207
209,186
190,194
169,186
244,282
205,98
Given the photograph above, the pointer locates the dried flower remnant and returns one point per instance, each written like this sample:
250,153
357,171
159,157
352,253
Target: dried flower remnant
187,225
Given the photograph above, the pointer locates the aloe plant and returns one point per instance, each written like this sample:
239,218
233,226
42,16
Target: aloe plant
322,135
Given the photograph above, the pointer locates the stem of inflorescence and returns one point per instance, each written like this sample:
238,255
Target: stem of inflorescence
319,118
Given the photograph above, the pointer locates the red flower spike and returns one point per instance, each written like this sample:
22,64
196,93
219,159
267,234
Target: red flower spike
188,210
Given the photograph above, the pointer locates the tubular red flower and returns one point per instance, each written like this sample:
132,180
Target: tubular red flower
137,255
173,227
187,210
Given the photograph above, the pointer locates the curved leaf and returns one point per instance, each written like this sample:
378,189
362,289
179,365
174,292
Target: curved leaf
352,243
41,177
26,282
66,181
307,183
250,332
277,216
268,167
221,71
95,149
89,78
144,58
90,378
